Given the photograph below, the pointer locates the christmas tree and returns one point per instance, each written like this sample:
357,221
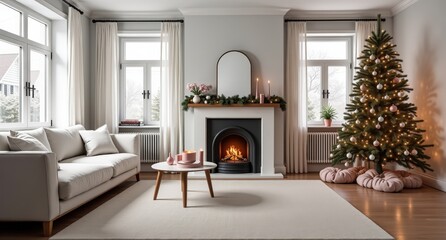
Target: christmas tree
381,125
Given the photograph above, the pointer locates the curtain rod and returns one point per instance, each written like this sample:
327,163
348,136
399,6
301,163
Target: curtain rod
71,5
110,20
336,20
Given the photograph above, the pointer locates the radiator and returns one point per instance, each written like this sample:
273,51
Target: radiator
150,146
319,146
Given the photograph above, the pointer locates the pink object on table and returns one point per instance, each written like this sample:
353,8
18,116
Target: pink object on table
189,156
201,160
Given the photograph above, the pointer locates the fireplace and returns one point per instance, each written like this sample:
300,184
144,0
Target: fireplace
234,145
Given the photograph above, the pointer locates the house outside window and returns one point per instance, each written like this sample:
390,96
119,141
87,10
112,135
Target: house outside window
329,74
24,67
140,79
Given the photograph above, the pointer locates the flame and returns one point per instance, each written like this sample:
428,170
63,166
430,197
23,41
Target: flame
233,153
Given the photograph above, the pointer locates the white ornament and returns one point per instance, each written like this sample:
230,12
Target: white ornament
380,119
372,110
406,153
374,73
414,152
402,125
208,97
401,94
377,61
343,129
362,87
372,157
378,126
349,155
372,57
362,100
393,108
358,122
386,97
379,86
352,139
338,137
376,143
339,146
205,101
365,67
387,56
331,155
346,164
356,111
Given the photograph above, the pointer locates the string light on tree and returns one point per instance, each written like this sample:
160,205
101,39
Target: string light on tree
380,124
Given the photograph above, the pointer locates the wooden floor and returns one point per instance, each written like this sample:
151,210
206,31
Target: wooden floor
410,214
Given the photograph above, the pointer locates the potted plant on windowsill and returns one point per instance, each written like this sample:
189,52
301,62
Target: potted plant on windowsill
328,113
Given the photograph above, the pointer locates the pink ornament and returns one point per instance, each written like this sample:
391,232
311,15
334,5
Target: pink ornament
393,108
169,159
396,80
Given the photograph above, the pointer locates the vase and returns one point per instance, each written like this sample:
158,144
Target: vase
196,99
169,159
327,122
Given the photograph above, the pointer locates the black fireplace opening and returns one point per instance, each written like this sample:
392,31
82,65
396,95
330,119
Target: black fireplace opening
234,145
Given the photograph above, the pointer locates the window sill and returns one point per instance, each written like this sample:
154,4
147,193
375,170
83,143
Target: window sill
139,127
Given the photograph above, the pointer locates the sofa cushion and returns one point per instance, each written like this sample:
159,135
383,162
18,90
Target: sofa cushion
66,142
38,133
4,143
25,142
121,162
76,178
98,142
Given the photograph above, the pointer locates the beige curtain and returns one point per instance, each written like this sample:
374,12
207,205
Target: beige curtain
171,113
106,85
362,31
76,93
296,96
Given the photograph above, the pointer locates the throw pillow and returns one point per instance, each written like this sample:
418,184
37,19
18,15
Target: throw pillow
66,142
98,142
25,142
38,133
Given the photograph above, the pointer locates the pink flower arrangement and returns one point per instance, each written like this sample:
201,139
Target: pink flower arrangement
198,89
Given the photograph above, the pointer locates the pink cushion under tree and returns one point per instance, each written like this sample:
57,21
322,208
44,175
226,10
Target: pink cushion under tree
337,175
366,179
409,180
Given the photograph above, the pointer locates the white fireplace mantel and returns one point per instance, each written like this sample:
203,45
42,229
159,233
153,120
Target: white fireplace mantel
265,114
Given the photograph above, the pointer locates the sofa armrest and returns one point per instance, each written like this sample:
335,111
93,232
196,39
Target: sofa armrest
127,143
28,186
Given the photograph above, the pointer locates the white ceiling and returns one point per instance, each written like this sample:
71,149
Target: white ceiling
113,7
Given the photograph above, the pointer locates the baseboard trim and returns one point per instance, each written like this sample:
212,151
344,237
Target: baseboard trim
432,182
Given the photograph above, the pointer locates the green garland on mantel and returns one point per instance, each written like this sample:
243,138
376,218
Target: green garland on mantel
223,100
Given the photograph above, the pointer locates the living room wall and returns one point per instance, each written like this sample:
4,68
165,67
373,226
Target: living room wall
420,34
261,37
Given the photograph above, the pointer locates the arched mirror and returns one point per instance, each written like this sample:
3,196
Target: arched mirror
234,74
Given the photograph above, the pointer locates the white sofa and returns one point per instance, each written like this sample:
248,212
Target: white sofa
44,185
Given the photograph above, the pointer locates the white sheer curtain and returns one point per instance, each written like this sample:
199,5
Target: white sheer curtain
76,93
362,31
171,113
296,96
106,85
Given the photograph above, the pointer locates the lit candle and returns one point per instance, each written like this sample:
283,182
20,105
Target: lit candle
201,157
269,88
257,88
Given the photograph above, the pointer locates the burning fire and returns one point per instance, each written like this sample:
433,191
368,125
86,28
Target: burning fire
233,154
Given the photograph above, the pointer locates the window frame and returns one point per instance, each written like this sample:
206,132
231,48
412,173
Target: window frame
26,46
325,64
147,65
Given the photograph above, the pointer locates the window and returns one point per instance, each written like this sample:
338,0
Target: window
329,74
140,79
24,67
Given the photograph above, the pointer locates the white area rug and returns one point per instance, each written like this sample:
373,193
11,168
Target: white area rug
243,209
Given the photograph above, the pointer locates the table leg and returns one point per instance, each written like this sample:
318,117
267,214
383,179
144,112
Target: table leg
158,182
184,187
208,178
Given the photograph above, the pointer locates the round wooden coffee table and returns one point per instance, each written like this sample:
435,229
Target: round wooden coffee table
164,167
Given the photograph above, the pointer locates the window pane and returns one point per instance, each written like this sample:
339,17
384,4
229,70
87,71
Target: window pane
9,80
9,19
334,50
337,85
314,92
142,50
37,79
134,85
36,31
156,93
